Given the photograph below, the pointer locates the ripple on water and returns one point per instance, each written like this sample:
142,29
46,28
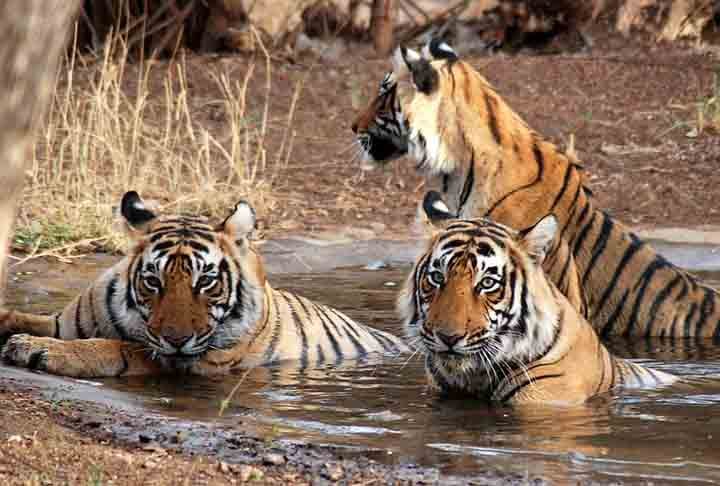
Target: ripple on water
666,436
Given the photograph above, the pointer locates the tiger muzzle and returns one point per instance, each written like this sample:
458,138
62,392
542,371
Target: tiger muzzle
179,323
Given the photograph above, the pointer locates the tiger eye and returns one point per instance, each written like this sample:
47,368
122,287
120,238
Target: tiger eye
205,281
436,277
152,281
487,284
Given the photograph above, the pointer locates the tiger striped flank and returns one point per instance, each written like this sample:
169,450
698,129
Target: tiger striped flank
494,165
190,297
493,326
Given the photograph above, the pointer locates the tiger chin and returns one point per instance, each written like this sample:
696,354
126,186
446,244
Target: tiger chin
190,297
492,325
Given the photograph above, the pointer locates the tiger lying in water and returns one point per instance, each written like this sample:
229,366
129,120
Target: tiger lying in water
189,297
493,325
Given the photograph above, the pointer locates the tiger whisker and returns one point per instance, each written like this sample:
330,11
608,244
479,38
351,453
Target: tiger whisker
412,355
524,370
348,147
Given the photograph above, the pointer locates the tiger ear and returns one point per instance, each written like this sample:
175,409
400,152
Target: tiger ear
436,210
537,240
401,58
136,215
424,76
241,222
433,214
437,48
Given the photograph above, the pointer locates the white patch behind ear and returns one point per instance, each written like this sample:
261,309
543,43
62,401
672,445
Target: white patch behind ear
538,239
441,206
398,63
432,216
438,49
444,46
241,222
403,58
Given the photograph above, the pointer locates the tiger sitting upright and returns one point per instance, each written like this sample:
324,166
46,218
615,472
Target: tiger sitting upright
448,117
189,297
492,325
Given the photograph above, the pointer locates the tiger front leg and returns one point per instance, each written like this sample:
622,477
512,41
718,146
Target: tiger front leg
14,322
82,358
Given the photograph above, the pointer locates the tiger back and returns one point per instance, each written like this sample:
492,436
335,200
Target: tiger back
190,297
490,163
491,324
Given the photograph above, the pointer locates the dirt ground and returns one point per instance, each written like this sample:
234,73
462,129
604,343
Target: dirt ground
631,106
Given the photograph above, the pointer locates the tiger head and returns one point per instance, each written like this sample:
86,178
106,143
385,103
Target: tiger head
477,302
191,286
382,129
443,113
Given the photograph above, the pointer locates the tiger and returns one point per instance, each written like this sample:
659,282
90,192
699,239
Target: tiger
493,326
492,164
190,297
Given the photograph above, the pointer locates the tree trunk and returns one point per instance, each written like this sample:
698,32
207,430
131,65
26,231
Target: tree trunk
34,34
224,15
384,13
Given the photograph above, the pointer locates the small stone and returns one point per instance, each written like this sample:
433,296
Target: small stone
273,459
223,467
179,437
390,284
149,464
376,265
378,227
125,457
333,472
249,473
144,439
155,448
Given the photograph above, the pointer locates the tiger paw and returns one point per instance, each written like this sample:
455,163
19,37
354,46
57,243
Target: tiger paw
79,358
27,351
5,321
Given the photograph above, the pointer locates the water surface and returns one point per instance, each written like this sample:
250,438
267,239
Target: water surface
665,436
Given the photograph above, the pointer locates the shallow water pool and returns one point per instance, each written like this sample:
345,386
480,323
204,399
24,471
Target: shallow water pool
665,436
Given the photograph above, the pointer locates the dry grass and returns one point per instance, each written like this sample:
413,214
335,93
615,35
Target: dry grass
708,111
102,138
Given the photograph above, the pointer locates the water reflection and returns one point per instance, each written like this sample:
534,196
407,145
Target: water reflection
635,436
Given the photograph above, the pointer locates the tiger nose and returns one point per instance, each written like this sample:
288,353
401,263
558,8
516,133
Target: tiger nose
177,341
448,340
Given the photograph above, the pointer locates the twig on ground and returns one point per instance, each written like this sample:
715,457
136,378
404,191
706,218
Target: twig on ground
54,252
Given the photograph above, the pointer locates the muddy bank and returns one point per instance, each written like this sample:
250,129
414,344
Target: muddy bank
49,440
